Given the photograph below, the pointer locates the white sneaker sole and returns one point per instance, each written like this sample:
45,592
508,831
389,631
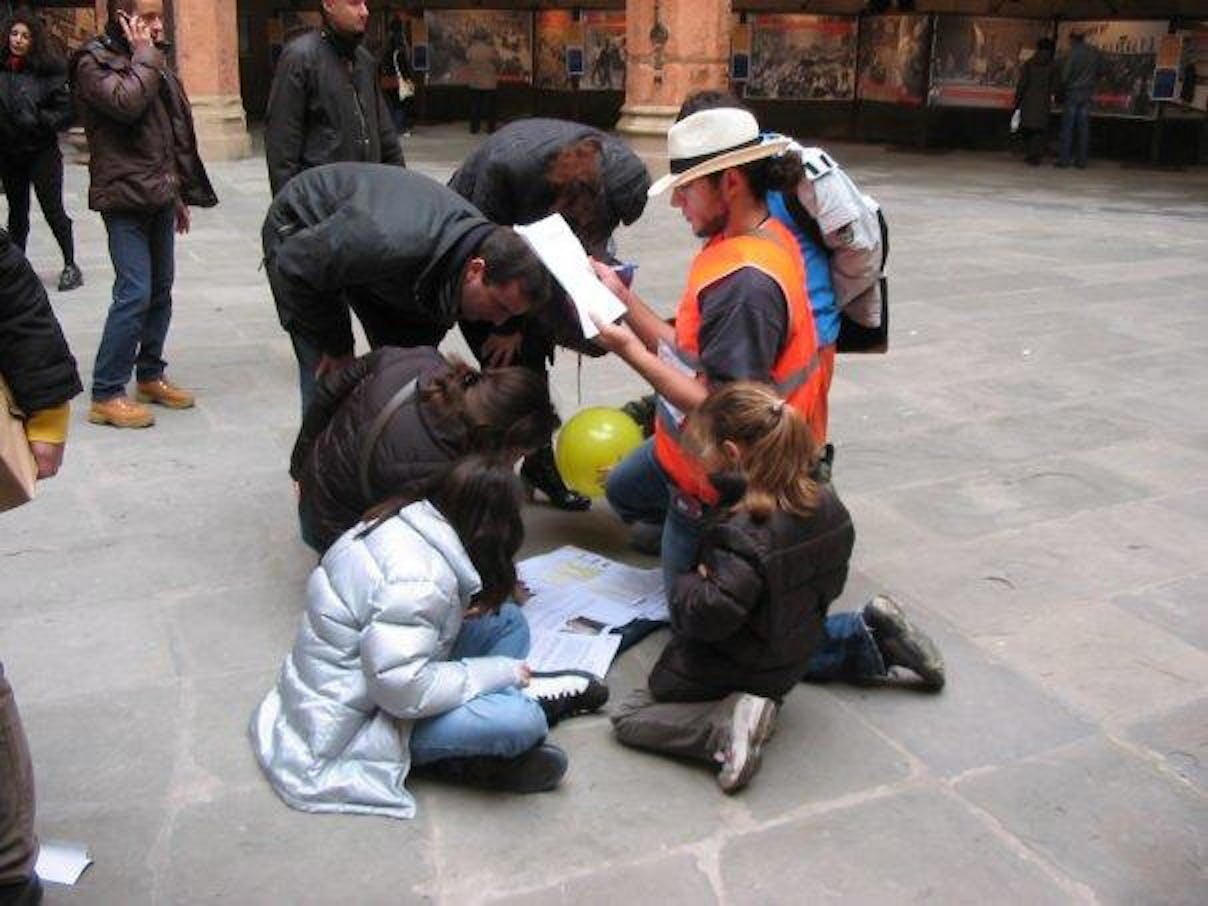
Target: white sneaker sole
753,723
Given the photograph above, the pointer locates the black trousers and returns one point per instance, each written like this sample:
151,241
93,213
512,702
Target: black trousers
44,171
482,106
1035,141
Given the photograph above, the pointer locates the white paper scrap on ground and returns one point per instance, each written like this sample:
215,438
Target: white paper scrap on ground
62,863
578,599
560,250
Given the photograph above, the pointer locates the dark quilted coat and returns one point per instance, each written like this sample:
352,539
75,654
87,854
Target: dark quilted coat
752,623
413,447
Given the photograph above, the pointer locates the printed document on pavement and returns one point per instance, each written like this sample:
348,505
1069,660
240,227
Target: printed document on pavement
560,250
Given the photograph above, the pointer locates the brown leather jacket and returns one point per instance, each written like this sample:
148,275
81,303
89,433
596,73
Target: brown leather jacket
143,150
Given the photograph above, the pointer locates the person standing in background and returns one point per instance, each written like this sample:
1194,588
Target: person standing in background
35,105
482,70
326,105
144,173
1079,73
1034,98
397,77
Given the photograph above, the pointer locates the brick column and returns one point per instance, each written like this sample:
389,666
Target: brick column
207,55
694,57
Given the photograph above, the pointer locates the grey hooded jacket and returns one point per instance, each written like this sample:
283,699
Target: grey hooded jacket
371,655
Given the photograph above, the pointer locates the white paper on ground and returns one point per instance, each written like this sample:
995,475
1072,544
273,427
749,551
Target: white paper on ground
560,251
62,863
568,651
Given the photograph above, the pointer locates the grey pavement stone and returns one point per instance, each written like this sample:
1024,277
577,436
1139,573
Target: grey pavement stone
670,881
1106,818
1180,739
917,846
148,596
987,713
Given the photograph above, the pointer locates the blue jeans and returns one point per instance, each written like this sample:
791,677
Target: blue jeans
640,491
501,724
308,356
1075,115
142,248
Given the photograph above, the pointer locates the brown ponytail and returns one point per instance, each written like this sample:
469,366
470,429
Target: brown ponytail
779,452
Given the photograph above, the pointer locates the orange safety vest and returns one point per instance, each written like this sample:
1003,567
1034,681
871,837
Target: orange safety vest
795,374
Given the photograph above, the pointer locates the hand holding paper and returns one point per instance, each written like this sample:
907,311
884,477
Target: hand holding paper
562,253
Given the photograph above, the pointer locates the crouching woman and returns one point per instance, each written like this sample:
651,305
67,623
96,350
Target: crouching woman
408,655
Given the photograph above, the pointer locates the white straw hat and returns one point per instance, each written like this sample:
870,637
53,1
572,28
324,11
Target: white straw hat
712,140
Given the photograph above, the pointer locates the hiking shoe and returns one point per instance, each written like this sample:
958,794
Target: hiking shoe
642,411
903,645
165,393
565,693
121,412
70,279
538,770
751,725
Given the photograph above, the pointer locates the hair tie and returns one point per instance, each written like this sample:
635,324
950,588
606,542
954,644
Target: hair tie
777,408
470,379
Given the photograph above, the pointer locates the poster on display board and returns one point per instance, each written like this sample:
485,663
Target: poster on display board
1128,53
975,60
803,57
603,41
71,29
1194,88
451,33
893,57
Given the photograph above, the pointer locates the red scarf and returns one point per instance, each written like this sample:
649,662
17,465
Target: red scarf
15,63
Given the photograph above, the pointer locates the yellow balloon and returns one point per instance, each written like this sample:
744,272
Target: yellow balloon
591,443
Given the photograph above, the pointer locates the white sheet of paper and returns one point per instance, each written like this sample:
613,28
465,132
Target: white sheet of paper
568,566
568,651
62,863
560,251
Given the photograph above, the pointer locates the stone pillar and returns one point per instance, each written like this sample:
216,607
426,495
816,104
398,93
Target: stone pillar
207,55
695,56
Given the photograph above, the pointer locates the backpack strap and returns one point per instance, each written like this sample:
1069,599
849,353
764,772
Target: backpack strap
374,434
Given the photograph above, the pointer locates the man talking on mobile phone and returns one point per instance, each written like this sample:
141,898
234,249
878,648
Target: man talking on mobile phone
144,172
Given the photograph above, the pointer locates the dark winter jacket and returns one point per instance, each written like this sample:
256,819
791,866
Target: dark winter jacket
142,146
325,106
505,177
1079,73
413,447
752,623
35,106
398,237
34,358
1038,82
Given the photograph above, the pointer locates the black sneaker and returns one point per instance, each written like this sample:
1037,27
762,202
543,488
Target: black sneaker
565,693
901,644
540,473
538,770
70,279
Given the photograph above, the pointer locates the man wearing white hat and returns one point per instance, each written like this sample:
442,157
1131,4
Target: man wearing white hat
744,315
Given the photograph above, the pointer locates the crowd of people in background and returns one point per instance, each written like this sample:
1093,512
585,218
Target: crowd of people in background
410,658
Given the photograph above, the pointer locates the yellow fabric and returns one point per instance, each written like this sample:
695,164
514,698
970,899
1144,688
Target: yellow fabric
49,426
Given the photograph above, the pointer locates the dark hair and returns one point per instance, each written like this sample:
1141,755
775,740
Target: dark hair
479,495
574,174
501,409
508,258
126,6
780,173
42,54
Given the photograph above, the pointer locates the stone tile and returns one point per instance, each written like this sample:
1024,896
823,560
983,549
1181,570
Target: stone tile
1178,607
806,760
987,713
1180,738
244,848
1106,818
121,838
670,881
661,804
1106,663
1165,464
920,845
216,750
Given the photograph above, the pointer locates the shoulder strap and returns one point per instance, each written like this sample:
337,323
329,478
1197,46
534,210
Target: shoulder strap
369,444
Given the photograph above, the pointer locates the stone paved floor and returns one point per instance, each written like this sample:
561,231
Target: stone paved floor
1028,471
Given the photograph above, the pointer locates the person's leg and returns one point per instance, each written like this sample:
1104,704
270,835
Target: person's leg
1084,133
1066,140
492,98
637,488
16,178
130,251
848,651
18,843
475,109
47,174
681,540
308,356
503,634
150,364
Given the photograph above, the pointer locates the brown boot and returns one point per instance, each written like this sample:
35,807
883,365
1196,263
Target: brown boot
121,412
163,391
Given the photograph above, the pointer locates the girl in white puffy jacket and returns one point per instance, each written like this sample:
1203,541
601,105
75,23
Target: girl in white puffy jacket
409,655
